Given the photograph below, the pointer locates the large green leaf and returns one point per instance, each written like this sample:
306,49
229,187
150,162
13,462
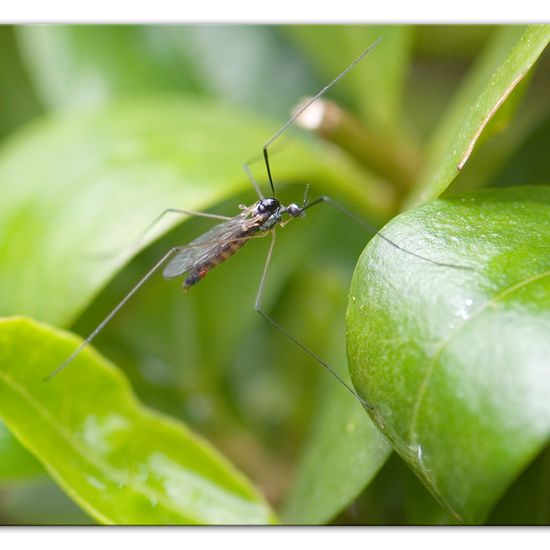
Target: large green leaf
121,462
73,65
455,360
87,184
506,61
249,65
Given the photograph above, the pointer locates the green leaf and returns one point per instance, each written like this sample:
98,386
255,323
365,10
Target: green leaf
529,163
344,451
455,360
503,65
88,184
450,42
73,65
15,462
121,462
249,65
18,102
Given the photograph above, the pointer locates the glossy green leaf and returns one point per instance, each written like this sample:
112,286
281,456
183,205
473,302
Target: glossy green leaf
86,185
506,61
455,360
119,461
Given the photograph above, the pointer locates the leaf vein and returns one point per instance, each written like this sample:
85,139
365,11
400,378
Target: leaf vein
413,436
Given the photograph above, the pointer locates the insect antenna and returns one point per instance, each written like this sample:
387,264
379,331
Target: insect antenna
306,106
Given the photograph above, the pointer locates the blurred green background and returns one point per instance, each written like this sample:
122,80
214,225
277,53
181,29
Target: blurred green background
207,357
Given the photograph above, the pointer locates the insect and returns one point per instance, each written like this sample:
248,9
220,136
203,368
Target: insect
197,258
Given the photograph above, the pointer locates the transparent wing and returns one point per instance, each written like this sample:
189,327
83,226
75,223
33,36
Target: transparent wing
208,244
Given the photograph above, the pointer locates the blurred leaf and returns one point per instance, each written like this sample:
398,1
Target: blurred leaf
40,502
450,42
18,102
249,65
344,450
74,65
121,462
530,163
497,148
504,63
527,501
455,361
89,184
395,497
15,461
376,87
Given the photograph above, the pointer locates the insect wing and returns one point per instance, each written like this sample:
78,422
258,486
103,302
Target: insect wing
206,245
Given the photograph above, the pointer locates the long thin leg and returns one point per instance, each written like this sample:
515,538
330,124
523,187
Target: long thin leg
117,308
258,308
306,106
137,240
337,205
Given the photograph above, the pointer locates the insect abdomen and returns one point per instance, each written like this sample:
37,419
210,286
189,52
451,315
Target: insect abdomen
200,271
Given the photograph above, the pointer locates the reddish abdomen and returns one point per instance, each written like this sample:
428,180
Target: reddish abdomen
200,271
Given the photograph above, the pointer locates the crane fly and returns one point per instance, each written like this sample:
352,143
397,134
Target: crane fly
197,258
225,239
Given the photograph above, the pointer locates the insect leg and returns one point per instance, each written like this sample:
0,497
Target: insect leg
305,106
258,308
117,308
344,210
137,240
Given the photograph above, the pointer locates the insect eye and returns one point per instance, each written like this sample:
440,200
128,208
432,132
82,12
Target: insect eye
260,207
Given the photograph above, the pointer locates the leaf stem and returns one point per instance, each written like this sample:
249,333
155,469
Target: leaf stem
333,123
